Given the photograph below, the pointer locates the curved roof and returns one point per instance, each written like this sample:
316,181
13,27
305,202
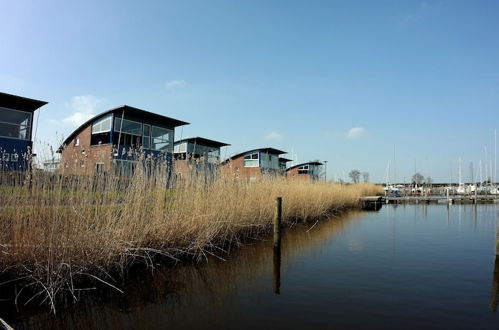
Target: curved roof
307,163
19,102
269,150
160,119
203,141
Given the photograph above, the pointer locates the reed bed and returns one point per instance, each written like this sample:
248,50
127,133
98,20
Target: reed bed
57,231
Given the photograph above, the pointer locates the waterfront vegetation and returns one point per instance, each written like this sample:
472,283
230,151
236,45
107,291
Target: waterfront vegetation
58,232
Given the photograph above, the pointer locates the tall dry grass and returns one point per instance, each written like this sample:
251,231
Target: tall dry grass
56,231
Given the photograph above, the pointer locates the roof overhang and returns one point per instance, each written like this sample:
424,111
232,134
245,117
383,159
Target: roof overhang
203,141
20,103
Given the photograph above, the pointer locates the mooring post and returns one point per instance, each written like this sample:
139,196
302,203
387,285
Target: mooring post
277,222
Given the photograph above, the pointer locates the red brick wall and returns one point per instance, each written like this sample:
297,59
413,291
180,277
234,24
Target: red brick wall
292,174
236,168
82,159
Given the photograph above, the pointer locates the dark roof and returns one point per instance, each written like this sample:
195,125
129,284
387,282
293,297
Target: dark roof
307,163
203,141
154,117
285,159
19,102
269,150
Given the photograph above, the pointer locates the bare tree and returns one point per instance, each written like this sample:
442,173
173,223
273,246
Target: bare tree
365,176
417,178
428,180
354,175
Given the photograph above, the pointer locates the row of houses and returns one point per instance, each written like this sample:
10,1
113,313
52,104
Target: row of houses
109,142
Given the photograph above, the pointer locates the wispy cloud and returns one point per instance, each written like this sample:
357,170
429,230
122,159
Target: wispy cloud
273,135
416,15
355,133
176,84
83,108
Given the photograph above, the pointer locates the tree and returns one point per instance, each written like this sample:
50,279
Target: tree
428,180
417,178
354,175
365,176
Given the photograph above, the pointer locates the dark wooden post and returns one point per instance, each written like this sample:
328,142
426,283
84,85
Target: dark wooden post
277,222
277,246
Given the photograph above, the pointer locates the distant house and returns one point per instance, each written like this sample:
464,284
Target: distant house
51,166
283,164
310,171
196,153
115,139
251,165
16,127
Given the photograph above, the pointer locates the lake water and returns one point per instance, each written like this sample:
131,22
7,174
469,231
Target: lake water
410,267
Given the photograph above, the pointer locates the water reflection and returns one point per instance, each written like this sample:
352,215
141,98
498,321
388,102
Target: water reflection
188,296
495,286
277,270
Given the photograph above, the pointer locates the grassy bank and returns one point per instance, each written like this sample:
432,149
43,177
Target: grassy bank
56,232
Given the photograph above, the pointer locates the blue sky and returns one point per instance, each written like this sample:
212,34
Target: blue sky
415,83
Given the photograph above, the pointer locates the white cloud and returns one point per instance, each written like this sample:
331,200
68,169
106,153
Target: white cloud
274,136
83,108
355,133
176,84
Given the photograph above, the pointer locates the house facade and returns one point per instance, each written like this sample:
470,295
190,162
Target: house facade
115,140
196,153
310,171
16,131
251,165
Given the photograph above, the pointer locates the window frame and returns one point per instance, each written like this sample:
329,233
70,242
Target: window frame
30,124
170,139
251,159
110,118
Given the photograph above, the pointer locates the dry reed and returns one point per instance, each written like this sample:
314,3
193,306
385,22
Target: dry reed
56,231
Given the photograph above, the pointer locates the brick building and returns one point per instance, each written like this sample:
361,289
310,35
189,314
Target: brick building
311,171
16,130
115,139
253,164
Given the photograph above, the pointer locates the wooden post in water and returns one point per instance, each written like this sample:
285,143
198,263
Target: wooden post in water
277,245
277,222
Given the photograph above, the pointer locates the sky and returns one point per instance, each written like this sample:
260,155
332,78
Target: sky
379,86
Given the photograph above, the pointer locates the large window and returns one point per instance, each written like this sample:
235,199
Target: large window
127,126
15,124
101,131
103,125
251,160
303,169
162,139
127,133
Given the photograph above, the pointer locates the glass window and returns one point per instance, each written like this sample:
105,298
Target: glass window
162,139
15,124
77,142
6,157
103,125
146,137
14,157
251,160
128,126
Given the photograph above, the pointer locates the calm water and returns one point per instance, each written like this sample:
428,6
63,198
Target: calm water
409,267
